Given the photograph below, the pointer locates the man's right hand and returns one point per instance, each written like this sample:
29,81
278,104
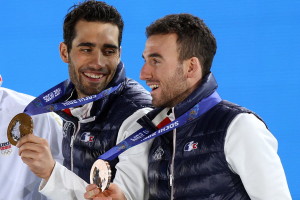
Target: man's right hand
35,152
112,193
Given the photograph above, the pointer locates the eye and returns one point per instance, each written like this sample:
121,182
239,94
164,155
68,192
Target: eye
109,52
86,50
154,61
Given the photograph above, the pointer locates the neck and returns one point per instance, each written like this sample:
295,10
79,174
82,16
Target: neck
185,94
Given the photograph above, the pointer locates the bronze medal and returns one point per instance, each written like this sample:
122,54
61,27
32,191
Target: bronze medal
100,174
18,127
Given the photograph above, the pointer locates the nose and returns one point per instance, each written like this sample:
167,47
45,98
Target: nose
97,60
145,73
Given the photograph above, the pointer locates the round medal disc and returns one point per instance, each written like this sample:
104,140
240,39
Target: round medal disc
100,174
18,127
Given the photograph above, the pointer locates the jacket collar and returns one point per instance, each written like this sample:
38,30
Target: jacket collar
207,86
119,76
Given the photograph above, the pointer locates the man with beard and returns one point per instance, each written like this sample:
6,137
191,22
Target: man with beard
92,47
212,148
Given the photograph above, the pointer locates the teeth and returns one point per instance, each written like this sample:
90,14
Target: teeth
90,75
153,86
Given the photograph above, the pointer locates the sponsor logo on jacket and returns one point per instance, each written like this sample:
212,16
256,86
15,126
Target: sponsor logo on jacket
5,148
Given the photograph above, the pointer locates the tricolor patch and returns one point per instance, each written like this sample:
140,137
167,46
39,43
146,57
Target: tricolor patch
191,146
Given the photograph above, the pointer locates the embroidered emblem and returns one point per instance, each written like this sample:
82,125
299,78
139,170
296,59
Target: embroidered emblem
67,128
190,146
5,148
159,152
52,108
87,137
37,103
123,145
193,113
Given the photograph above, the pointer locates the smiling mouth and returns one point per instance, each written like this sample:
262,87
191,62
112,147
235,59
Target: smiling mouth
153,87
93,76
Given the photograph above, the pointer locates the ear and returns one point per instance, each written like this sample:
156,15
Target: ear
63,50
194,69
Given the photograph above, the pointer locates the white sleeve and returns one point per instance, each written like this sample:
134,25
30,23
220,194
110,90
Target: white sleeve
132,168
63,184
56,131
251,152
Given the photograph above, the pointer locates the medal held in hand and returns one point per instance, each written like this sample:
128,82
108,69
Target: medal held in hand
18,127
100,174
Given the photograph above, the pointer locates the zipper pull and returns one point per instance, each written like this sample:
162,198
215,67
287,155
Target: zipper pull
72,140
171,180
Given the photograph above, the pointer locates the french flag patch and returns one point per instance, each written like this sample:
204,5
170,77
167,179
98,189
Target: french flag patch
87,137
191,146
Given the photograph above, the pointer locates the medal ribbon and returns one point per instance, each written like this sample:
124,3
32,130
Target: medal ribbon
44,102
143,135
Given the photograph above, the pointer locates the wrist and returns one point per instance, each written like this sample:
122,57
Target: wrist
48,174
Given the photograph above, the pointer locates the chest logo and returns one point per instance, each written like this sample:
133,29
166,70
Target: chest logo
190,146
159,152
68,127
87,137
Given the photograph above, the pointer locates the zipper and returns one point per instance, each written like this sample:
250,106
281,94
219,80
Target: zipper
72,143
172,161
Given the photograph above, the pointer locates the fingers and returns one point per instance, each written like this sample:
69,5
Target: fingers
35,152
92,191
91,187
30,150
102,198
30,146
30,138
113,192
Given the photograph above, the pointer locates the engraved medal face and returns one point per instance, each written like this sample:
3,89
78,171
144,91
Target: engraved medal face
18,127
100,174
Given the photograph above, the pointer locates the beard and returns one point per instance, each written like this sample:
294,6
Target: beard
82,88
173,91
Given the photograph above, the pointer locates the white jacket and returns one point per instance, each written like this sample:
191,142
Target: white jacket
17,181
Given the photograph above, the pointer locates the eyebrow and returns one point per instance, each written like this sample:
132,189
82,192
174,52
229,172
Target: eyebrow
89,44
86,44
153,55
110,46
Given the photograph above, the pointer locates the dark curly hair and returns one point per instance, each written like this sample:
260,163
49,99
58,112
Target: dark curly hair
91,11
194,37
